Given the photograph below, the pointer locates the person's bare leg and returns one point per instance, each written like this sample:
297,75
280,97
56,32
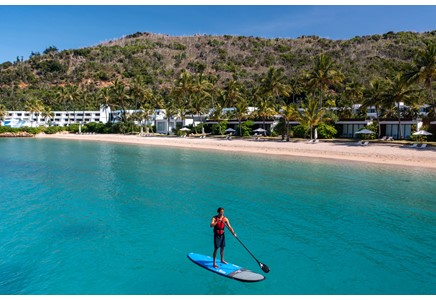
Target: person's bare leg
222,257
214,258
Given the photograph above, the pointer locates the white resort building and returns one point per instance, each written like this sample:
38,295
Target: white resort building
18,119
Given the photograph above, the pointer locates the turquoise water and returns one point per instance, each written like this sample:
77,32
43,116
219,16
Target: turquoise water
101,218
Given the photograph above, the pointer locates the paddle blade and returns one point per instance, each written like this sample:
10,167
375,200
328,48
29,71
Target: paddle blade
264,267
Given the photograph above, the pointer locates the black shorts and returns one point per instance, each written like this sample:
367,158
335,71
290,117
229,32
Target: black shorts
219,241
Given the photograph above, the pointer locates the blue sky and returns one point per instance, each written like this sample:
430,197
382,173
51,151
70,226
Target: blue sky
27,28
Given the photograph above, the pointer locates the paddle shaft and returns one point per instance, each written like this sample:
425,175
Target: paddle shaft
261,265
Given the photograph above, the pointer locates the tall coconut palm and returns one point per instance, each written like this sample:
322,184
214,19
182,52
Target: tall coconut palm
289,113
34,106
354,92
374,96
312,114
105,99
232,93
47,114
265,110
120,97
424,70
170,112
273,84
241,112
398,91
324,75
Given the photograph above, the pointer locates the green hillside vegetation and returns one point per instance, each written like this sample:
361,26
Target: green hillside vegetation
193,74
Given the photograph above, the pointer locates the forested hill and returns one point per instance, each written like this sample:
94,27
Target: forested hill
160,58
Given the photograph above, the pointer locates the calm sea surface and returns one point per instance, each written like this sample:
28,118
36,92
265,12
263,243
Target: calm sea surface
101,218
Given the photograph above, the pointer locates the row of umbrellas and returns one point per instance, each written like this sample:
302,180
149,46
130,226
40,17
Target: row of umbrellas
366,131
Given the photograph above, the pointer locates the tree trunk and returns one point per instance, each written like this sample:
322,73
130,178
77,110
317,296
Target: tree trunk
400,130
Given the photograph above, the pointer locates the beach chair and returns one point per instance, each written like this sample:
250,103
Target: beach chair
414,146
384,138
359,143
390,138
422,146
315,141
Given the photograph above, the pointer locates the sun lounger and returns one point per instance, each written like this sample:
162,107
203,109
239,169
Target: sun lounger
414,146
422,146
390,138
365,143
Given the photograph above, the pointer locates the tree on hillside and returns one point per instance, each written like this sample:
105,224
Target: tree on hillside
3,112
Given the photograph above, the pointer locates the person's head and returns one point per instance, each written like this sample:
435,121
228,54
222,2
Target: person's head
220,211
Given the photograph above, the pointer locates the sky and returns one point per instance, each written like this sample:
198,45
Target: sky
28,28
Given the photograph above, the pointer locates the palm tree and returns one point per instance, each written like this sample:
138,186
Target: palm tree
170,112
232,93
354,92
265,110
374,96
289,113
323,75
425,70
47,113
139,92
105,98
34,106
203,90
273,86
120,97
241,112
312,114
399,91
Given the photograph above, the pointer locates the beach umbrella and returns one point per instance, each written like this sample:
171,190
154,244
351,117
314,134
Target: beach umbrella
259,130
422,132
364,131
185,129
230,130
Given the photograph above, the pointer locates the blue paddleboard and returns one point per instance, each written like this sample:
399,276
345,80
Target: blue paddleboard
227,270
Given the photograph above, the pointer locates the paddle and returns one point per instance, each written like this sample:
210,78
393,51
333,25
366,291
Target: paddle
261,265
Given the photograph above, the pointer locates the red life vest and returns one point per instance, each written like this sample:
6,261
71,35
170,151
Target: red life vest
219,227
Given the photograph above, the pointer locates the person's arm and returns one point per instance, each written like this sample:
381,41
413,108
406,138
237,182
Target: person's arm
230,227
213,222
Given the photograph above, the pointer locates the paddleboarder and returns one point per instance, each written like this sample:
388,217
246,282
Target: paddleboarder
219,223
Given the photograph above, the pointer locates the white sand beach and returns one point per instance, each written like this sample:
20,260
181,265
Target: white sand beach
380,153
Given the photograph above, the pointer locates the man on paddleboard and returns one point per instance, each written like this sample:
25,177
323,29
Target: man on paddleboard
219,223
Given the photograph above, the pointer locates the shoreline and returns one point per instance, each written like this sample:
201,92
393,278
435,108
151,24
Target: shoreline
376,153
